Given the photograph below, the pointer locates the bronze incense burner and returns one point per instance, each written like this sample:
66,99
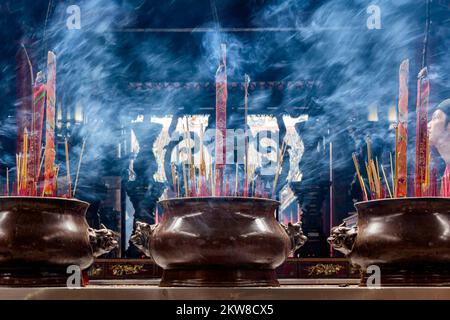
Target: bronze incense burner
407,238
41,237
218,241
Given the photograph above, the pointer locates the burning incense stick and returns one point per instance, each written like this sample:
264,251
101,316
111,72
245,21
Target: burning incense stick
221,119
360,179
7,181
369,178
69,185
392,175
279,163
369,168
174,177
423,88
23,166
401,144
386,181
246,84
178,186
49,167
79,166
17,174
375,179
186,190
236,184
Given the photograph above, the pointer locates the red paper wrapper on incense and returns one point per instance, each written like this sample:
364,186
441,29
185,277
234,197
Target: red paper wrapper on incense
221,120
401,152
49,165
39,94
421,170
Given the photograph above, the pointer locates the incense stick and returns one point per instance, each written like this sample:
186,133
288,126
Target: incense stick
386,181
185,181
236,183
69,185
56,176
7,181
361,181
18,172
376,179
392,174
280,161
79,166
174,178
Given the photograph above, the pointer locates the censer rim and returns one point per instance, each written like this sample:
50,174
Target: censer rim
216,198
368,202
44,198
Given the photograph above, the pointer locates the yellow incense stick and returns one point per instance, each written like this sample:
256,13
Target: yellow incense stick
360,179
78,168
17,173
280,161
386,181
392,174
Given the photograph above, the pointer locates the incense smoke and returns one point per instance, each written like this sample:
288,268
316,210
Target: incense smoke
348,71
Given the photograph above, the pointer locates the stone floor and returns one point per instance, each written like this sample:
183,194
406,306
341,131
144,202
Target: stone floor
290,289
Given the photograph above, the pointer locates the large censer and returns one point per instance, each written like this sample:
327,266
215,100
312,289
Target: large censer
407,238
40,237
218,241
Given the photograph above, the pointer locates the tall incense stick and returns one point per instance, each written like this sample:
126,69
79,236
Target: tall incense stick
7,181
50,154
236,183
69,185
423,89
221,120
79,166
392,174
386,181
280,161
401,136
360,179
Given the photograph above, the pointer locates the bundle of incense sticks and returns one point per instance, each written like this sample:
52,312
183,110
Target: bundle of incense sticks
215,179
30,159
424,182
376,187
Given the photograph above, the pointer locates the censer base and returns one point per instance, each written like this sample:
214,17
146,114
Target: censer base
33,277
411,276
219,278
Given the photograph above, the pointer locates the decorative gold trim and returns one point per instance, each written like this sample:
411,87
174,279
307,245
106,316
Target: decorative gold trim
322,269
126,269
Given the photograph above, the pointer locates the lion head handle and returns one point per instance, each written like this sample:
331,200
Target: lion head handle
295,233
102,240
342,238
141,236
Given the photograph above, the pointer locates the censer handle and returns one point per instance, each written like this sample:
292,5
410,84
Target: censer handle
102,240
295,233
142,235
342,238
